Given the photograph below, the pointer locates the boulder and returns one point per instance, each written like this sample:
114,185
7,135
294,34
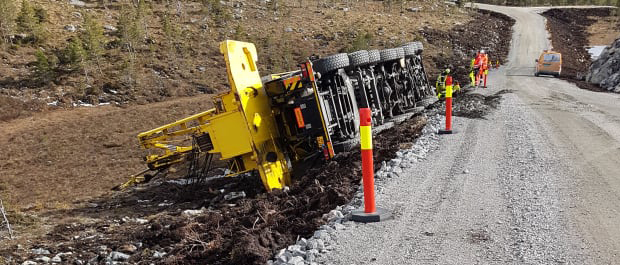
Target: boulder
118,256
77,3
605,71
70,28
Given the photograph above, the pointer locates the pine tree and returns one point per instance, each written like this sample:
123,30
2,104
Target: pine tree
239,33
168,27
92,41
41,14
142,11
128,30
92,37
220,14
26,20
43,67
74,54
171,38
132,28
30,21
7,18
362,41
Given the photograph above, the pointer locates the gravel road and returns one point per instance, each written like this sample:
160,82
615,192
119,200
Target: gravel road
536,182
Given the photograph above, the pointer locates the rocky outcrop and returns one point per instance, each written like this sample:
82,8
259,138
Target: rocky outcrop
605,71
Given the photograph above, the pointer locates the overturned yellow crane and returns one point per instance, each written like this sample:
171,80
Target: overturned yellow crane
288,122
241,128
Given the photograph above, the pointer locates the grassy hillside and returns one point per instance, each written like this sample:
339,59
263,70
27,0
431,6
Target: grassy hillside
65,53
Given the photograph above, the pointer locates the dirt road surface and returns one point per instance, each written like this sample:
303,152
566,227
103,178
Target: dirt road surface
536,182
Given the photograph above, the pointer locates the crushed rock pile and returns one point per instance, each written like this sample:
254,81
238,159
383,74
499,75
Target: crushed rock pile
605,71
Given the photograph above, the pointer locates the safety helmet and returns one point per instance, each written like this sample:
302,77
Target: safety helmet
482,51
447,71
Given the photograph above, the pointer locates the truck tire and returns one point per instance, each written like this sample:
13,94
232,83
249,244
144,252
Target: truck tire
410,49
331,63
420,47
391,54
359,58
374,56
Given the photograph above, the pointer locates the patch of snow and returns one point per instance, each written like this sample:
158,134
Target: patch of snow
80,103
595,51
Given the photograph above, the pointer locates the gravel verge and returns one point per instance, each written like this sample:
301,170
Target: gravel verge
317,248
494,193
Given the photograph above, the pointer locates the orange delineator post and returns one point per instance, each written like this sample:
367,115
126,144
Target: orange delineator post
368,170
448,129
370,213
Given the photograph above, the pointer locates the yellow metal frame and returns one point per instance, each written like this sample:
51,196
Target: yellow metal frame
241,127
241,61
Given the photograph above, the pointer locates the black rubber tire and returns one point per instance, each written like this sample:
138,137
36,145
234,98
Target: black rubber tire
414,44
420,47
359,58
392,54
374,56
536,74
409,49
331,63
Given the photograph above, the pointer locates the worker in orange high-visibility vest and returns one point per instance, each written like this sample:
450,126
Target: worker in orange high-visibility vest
486,68
477,67
481,65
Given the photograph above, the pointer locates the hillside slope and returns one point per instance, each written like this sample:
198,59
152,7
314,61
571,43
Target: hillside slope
153,51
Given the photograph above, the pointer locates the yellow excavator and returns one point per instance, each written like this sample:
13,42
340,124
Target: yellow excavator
281,123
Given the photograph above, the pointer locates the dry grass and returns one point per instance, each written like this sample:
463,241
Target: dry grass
52,159
284,38
604,31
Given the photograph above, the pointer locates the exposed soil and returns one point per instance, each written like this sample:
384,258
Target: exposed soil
470,104
570,36
488,29
243,231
